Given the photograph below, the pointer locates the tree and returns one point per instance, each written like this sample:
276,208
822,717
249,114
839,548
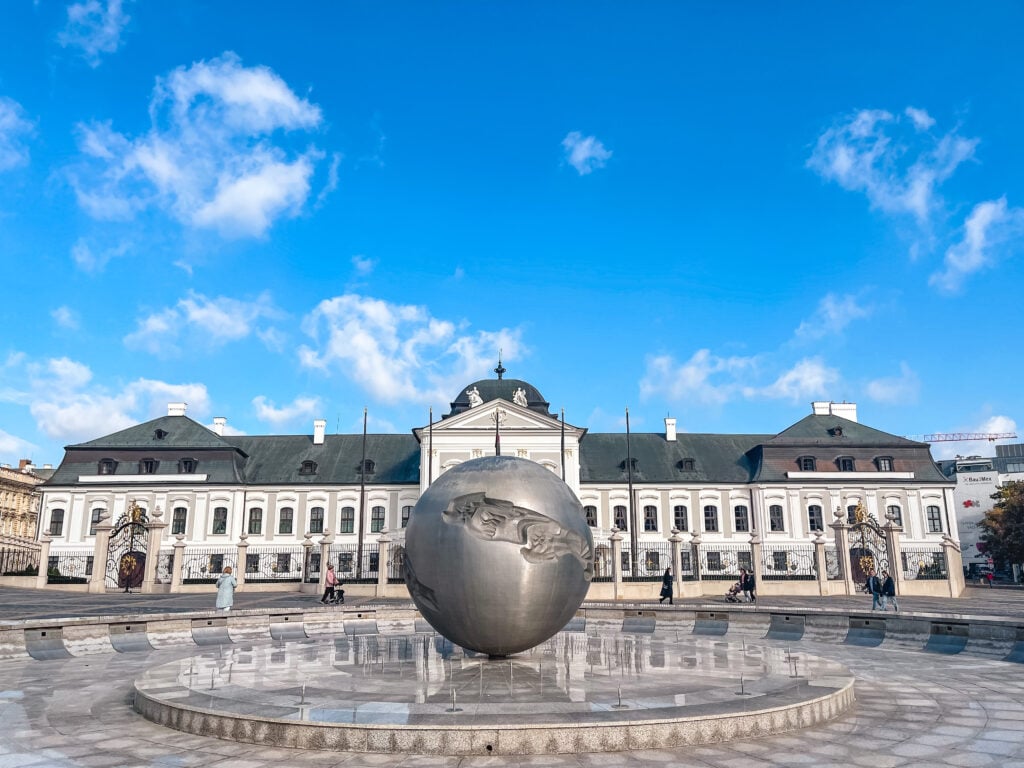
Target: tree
1002,529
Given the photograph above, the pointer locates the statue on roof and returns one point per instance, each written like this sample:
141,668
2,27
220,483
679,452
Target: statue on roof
519,397
474,397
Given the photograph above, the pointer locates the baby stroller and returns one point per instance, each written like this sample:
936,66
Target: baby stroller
338,597
733,595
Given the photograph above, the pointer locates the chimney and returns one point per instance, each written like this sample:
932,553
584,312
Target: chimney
828,408
319,427
219,422
820,407
24,464
176,409
670,429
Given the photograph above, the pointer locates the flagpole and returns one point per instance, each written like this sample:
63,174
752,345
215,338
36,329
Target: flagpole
430,448
362,503
633,545
497,431
563,445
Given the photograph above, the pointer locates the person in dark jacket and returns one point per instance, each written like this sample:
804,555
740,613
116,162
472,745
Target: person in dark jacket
666,587
748,585
873,586
889,592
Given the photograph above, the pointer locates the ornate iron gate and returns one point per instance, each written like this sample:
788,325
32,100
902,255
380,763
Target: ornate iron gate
869,548
126,552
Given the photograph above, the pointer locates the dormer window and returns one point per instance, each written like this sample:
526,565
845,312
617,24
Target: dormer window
107,466
686,465
628,463
186,466
159,434
366,466
836,431
148,466
845,464
308,468
884,463
807,464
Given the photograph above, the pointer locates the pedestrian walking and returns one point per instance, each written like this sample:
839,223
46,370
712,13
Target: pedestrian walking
873,586
666,587
330,582
226,584
889,592
748,585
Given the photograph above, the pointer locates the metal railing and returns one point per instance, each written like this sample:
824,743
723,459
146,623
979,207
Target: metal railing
202,565
789,562
396,564
273,565
69,567
344,557
164,566
18,559
722,562
652,560
921,563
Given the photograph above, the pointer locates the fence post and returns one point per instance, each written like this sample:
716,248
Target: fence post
97,584
307,547
756,558
325,560
243,547
892,542
616,541
179,562
154,532
954,566
695,554
43,572
821,562
843,550
677,561
383,553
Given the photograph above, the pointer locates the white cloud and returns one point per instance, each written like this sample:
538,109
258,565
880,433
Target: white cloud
584,153
400,352
94,28
809,378
363,265
14,129
704,378
834,313
216,157
10,445
896,390
65,317
213,322
300,407
989,230
899,173
88,260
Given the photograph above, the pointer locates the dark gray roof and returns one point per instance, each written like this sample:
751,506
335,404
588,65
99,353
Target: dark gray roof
716,458
178,432
492,389
815,429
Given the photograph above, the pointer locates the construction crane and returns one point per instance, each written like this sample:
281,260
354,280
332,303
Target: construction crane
952,437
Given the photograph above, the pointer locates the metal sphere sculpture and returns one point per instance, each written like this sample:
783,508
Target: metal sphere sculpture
498,555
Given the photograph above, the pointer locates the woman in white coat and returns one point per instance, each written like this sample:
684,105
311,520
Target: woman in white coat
226,584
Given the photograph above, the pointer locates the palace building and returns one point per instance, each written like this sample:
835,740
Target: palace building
795,505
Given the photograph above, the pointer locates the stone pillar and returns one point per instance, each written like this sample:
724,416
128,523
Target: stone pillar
821,565
243,547
616,541
97,584
839,528
892,543
154,532
756,559
179,562
954,565
307,547
325,558
383,553
43,574
677,561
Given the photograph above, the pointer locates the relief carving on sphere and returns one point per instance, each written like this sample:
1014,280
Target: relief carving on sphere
539,536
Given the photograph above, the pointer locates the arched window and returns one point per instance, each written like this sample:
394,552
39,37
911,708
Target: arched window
845,464
377,519
186,466
255,521
148,466
884,463
711,518
220,521
894,513
851,514
680,518
650,518
179,520
406,512
934,519
286,520
347,519
316,520
620,518
590,513
815,521
308,468
94,520
57,522
776,520
742,518
107,466
806,464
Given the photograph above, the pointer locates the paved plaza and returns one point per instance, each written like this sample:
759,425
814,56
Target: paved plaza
913,708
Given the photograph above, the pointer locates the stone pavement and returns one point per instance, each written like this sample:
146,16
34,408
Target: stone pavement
914,709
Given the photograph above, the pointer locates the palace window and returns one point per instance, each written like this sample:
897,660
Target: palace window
741,516
680,517
687,465
894,513
107,467
590,513
934,520
95,520
285,520
406,512
255,521
650,518
308,468
57,522
148,466
366,467
806,464
220,520
348,519
186,466
851,514
620,518
884,463
815,521
776,520
316,520
179,518
845,464
711,518
376,519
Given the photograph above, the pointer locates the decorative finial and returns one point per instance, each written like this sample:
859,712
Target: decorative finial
500,370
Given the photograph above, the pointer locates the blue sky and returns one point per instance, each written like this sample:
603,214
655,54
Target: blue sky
714,211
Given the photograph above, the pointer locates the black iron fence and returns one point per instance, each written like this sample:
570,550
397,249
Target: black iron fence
69,567
164,566
652,558
274,564
603,561
346,563
788,562
924,563
19,560
202,565
722,562
396,564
